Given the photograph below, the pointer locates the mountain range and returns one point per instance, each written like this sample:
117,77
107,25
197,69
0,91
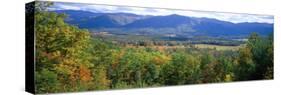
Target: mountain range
179,25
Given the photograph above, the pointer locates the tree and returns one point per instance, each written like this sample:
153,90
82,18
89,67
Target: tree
42,6
183,69
46,81
224,70
61,48
208,64
256,59
246,67
151,75
262,51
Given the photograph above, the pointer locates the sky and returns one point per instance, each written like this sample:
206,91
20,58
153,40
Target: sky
231,17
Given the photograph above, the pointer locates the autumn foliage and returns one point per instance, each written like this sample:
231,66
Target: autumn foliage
71,59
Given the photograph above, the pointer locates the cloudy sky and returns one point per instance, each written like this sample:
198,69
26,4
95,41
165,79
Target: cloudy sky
235,18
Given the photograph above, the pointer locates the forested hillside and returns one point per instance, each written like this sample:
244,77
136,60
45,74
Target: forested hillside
72,59
127,23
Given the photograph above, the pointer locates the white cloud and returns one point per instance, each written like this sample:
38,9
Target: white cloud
99,8
70,7
232,17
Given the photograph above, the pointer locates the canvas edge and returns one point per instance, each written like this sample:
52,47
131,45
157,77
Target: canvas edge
29,47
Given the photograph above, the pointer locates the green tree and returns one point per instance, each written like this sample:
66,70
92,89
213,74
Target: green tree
46,81
246,66
262,51
256,59
61,48
208,64
183,69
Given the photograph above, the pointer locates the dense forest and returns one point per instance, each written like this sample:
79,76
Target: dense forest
72,59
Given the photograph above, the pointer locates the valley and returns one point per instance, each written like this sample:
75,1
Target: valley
82,47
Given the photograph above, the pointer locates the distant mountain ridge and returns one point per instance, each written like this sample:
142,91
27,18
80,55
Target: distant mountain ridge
85,19
176,23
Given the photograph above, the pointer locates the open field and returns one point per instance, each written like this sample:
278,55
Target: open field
200,46
218,47
104,51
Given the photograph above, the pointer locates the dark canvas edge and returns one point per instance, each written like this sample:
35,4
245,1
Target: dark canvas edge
29,48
